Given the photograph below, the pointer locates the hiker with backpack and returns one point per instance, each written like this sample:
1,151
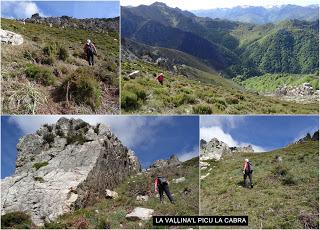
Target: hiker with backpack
247,172
161,185
90,50
160,78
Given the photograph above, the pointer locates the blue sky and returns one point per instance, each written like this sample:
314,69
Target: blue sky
151,138
76,9
263,132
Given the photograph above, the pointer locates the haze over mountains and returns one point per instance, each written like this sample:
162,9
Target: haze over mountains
233,48
262,15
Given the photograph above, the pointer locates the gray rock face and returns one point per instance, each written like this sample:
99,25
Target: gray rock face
213,150
65,166
245,149
10,37
308,137
173,161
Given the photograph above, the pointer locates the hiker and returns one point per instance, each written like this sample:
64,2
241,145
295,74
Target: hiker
247,171
90,50
160,78
160,185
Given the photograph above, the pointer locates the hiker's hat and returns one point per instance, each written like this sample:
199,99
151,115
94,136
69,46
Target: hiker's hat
88,41
247,160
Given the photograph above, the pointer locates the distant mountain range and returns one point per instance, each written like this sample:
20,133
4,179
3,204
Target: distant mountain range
233,48
262,15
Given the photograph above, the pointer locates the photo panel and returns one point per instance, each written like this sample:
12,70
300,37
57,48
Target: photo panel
263,167
98,171
60,57
219,57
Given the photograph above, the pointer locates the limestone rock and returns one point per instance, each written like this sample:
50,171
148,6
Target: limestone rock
142,198
111,194
244,149
140,214
134,74
213,150
173,161
65,166
179,180
10,37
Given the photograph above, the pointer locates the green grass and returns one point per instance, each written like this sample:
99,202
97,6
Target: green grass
285,194
49,56
15,220
195,92
39,165
270,82
111,213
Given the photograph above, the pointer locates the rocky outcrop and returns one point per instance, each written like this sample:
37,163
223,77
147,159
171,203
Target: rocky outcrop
244,149
100,25
173,161
213,150
65,166
308,137
11,38
305,89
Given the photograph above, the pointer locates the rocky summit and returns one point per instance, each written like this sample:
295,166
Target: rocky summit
65,166
173,161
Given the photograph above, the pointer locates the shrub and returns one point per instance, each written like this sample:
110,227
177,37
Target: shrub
54,225
15,220
38,165
38,178
202,109
129,100
50,49
83,88
48,138
63,53
76,138
48,60
232,100
137,90
183,98
36,39
40,74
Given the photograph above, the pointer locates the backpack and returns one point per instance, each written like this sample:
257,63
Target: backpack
160,78
90,48
162,180
250,167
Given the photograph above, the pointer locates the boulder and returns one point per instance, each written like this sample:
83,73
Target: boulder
179,180
213,150
111,194
142,198
172,161
10,37
134,74
140,214
60,168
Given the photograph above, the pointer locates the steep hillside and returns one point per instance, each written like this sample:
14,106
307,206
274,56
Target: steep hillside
111,213
232,48
262,15
49,74
285,192
189,90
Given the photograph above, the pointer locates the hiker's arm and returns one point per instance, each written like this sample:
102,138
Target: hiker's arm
94,47
156,185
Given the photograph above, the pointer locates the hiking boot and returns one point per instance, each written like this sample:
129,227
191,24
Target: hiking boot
252,186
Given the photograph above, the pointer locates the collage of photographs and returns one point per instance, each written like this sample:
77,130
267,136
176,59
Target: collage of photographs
116,112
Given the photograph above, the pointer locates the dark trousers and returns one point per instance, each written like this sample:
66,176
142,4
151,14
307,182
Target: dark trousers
165,188
90,58
247,174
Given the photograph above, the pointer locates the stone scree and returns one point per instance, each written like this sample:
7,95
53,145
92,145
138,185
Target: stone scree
65,166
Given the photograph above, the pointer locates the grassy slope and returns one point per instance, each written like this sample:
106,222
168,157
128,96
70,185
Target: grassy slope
112,213
36,37
208,94
270,82
273,202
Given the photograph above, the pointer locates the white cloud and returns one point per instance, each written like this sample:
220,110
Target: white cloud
184,156
230,121
131,130
210,4
19,9
207,133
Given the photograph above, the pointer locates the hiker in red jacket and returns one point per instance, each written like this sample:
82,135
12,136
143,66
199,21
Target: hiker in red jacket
160,78
90,49
160,185
247,172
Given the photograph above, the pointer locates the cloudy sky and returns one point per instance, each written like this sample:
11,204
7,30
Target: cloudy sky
211,4
264,133
151,138
76,9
